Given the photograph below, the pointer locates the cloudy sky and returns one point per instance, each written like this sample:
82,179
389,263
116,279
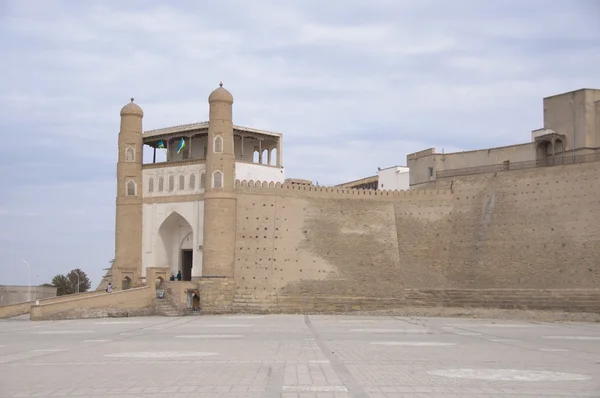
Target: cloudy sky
352,85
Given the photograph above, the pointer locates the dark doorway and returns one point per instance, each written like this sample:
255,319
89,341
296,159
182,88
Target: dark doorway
542,155
187,259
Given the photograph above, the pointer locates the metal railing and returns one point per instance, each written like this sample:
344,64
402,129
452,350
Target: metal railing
173,163
558,160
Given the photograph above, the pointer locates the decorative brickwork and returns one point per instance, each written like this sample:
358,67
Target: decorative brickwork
216,295
305,247
128,222
516,236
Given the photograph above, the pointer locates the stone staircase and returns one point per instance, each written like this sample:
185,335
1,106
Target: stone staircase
163,307
191,312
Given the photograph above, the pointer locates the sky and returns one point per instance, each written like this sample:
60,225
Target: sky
352,84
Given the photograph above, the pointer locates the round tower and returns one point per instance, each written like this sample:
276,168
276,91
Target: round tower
128,222
220,205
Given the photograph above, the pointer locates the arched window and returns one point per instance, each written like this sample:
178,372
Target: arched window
181,182
151,185
126,283
217,179
218,144
161,183
130,154
131,188
171,183
202,180
193,181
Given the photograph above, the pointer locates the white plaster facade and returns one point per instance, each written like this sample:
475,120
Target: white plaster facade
176,180
175,226
393,178
258,172
169,228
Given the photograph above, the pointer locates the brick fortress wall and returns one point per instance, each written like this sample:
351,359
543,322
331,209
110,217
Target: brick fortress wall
524,239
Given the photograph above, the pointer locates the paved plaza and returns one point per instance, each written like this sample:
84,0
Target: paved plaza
298,356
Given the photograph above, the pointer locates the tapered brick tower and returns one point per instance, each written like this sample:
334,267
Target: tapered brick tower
128,223
219,196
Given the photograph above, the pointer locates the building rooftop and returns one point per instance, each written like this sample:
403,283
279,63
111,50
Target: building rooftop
364,180
572,92
202,125
391,167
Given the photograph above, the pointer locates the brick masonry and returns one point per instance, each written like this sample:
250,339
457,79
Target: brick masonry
93,312
527,238
532,231
216,294
572,300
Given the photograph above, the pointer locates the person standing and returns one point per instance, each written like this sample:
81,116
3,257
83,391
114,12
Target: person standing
196,302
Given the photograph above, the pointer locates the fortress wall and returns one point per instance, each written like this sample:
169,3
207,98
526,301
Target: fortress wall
312,248
132,302
532,228
20,294
16,309
318,249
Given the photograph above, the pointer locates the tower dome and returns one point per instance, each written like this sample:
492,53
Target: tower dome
132,109
220,95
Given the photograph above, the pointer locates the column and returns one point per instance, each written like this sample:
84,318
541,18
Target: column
242,147
279,153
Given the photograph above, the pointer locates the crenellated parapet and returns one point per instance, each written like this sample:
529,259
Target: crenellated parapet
265,187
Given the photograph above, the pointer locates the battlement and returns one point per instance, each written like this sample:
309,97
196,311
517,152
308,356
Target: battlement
278,188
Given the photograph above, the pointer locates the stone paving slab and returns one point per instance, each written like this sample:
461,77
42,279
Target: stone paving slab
299,356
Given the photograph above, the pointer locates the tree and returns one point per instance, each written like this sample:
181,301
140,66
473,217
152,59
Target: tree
63,285
83,280
67,284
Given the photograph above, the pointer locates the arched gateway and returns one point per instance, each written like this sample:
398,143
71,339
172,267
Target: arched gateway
174,245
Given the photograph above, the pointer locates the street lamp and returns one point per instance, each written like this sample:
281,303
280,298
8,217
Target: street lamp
77,273
29,281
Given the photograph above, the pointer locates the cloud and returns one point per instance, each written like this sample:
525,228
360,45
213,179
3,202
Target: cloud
353,85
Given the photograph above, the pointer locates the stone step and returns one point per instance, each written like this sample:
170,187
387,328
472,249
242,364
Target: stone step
168,311
164,307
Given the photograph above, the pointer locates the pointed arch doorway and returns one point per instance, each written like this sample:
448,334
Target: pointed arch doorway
187,257
175,242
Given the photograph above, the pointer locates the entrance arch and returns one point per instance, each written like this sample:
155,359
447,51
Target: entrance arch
550,148
126,283
175,241
543,152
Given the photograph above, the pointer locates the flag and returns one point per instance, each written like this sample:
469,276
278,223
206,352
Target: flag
182,145
161,144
